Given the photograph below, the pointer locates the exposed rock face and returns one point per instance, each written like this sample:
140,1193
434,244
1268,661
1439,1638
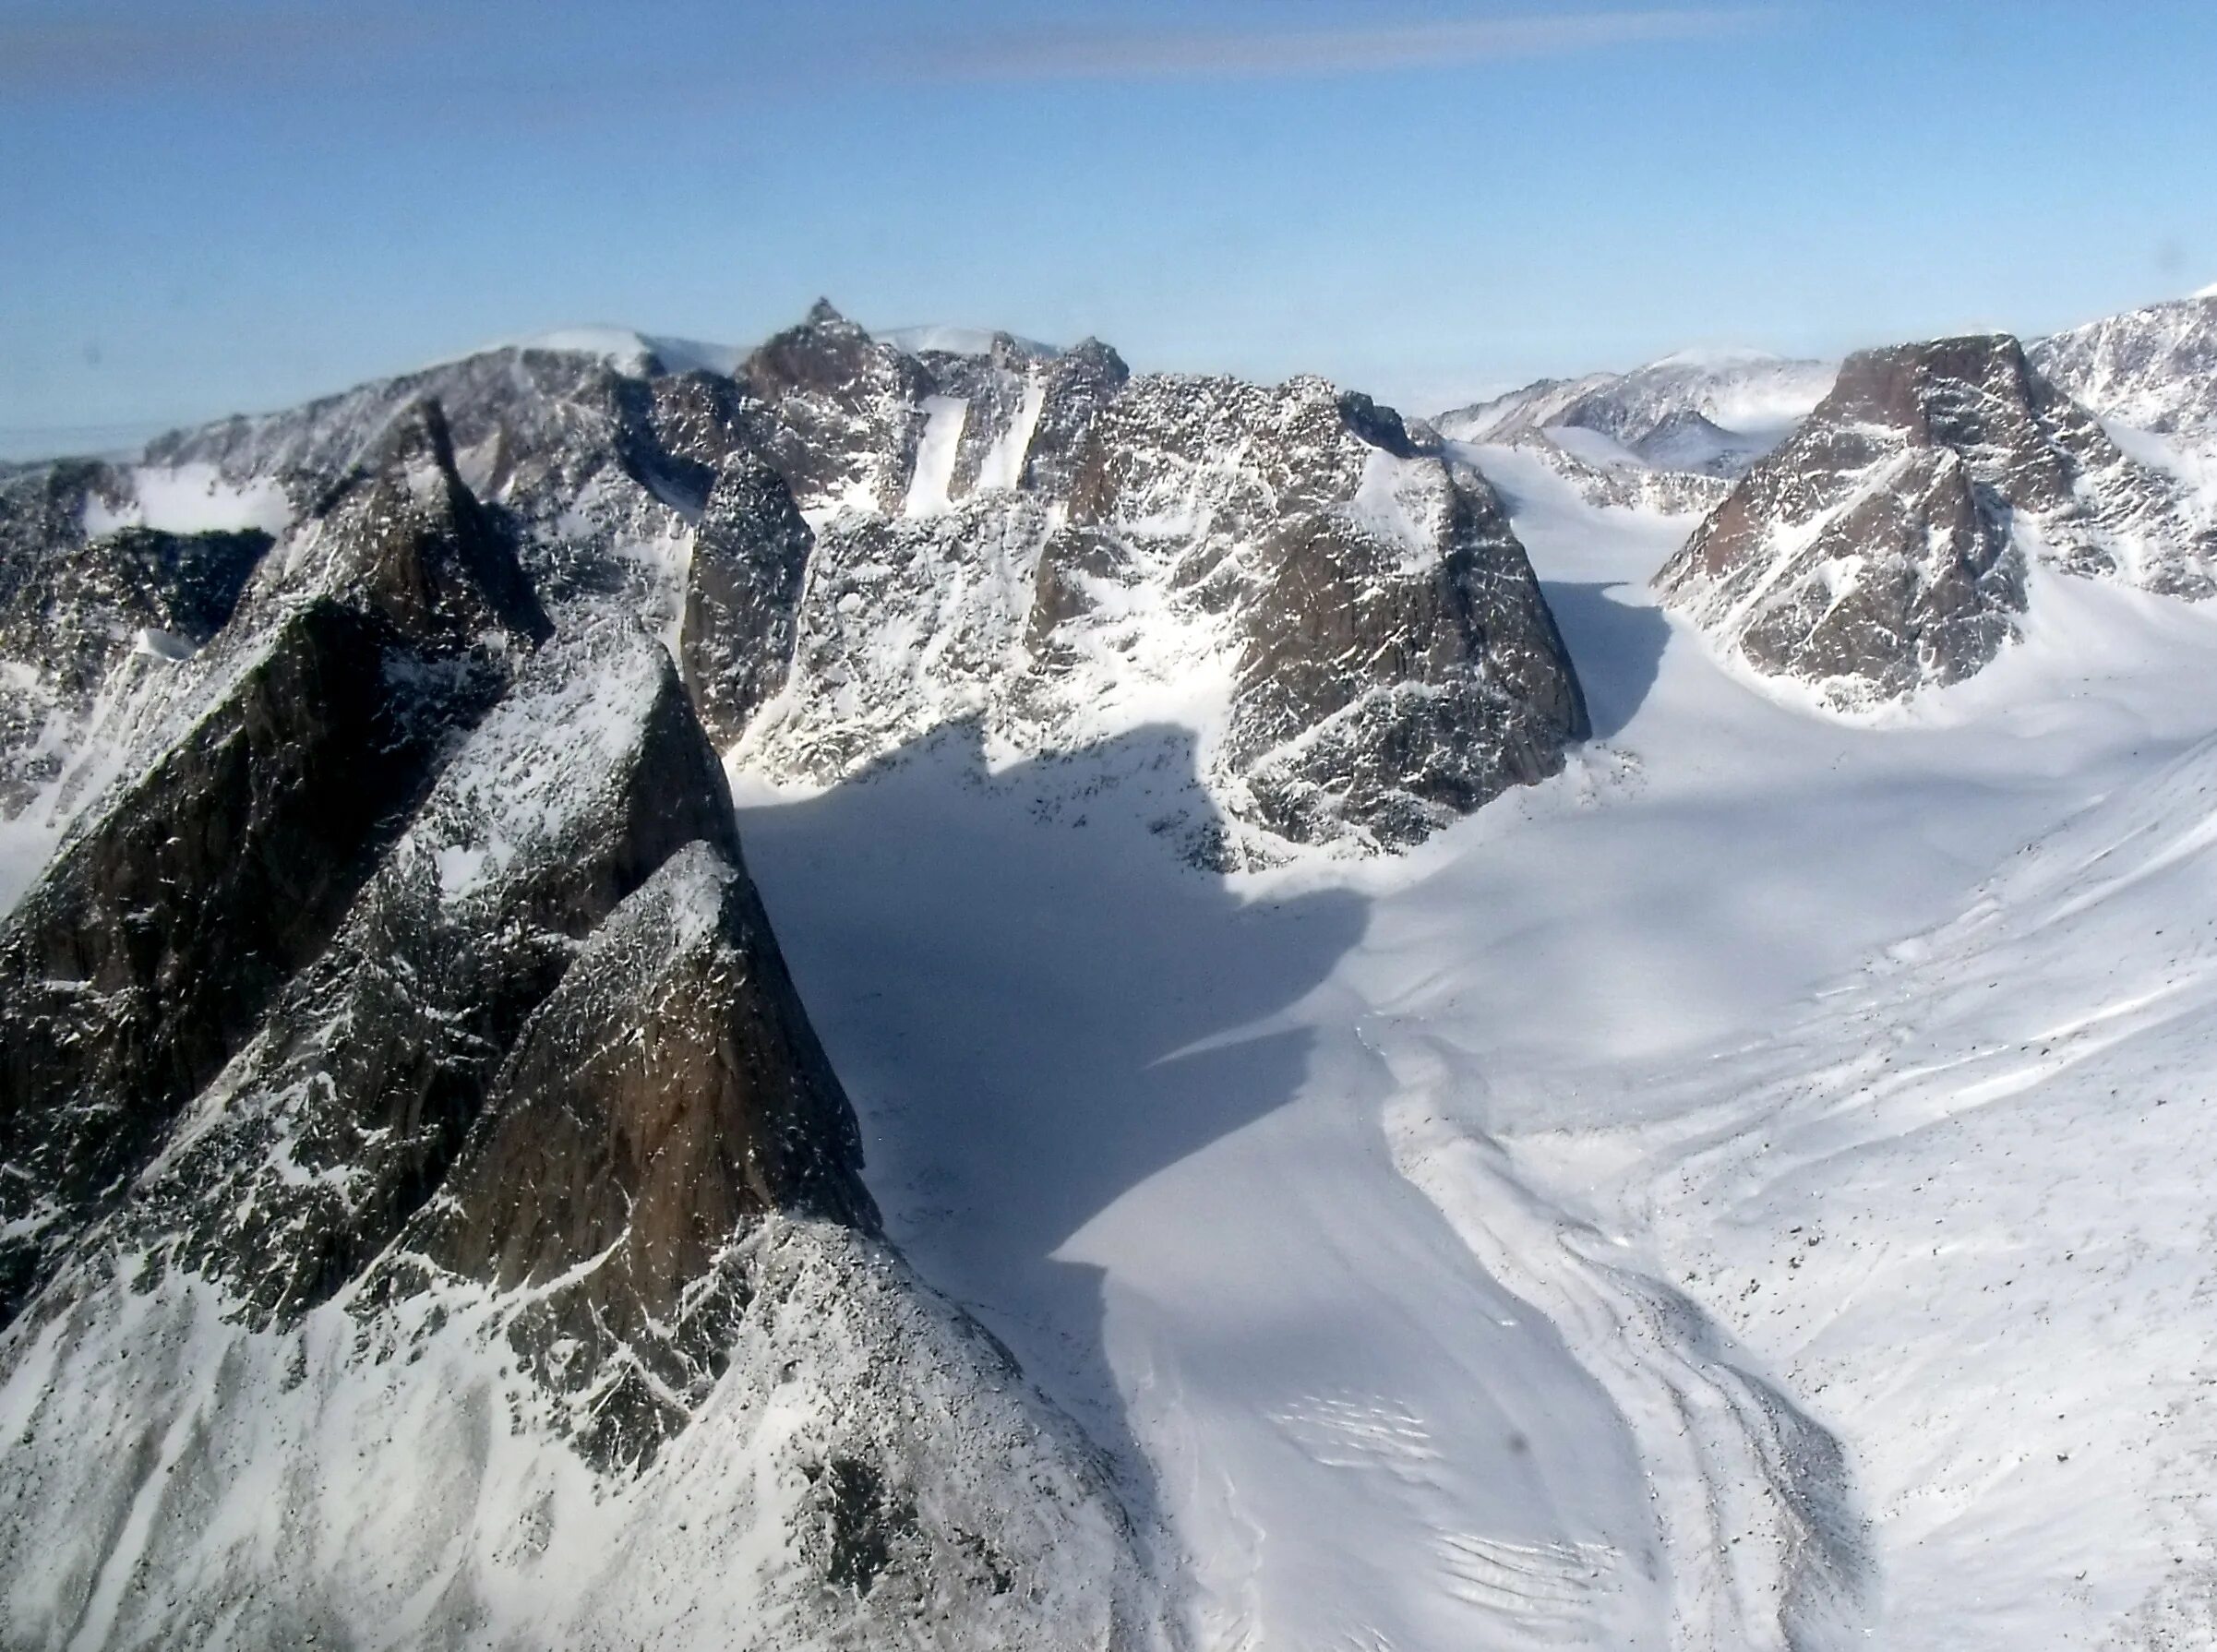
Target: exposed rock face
2154,368
1883,547
667,1094
851,544
85,616
845,411
1392,662
742,592
1393,702
147,955
1338,603
413,1149
348,1109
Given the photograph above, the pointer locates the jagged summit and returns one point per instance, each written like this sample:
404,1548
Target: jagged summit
401,1035
402,532
851,541
1884,547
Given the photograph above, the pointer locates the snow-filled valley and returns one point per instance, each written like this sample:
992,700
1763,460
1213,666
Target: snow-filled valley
1493,1102
1751,1189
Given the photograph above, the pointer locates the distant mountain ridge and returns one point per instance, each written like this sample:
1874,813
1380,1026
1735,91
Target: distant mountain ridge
1709,413
2154,368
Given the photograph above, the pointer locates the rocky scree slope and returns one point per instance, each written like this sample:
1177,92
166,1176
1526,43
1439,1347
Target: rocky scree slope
1884,547
851,546
413,1150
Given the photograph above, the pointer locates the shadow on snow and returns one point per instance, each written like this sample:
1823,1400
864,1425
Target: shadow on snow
1615,647
1009,973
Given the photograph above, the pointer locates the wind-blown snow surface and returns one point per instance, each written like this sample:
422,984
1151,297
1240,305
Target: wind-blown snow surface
1751,1191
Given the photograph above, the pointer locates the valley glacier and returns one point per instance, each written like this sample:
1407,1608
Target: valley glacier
1746,1191
1412,1091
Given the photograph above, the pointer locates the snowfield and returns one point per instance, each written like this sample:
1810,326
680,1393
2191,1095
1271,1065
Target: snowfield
1755,1189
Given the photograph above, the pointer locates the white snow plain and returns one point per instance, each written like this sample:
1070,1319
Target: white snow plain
1753,1191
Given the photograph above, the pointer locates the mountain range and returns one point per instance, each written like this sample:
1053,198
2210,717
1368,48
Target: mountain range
434,1199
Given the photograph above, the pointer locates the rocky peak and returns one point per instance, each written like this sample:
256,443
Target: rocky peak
348,1108
1383,427
401,533
1883,547
1399,665
666,1096
1251,449
846,409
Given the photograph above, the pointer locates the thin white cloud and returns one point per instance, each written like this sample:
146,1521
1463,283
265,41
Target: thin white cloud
1184,53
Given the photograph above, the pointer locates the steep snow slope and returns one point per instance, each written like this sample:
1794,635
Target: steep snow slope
1429,1241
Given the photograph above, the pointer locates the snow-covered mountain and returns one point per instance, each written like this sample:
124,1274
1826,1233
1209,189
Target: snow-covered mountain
909,990
1885,546
391,1029
851,545
1662,436
421,1172
2155,369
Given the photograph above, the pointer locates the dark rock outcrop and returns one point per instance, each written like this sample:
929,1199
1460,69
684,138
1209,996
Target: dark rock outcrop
1080,382
1395,662
1884,546
1393,700
146,957
749,560
669,1092
345,1114
401,533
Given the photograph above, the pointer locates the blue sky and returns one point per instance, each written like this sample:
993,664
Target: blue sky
214,207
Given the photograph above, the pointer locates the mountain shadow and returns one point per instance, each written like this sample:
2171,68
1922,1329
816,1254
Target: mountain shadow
1615,647
1036,1005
